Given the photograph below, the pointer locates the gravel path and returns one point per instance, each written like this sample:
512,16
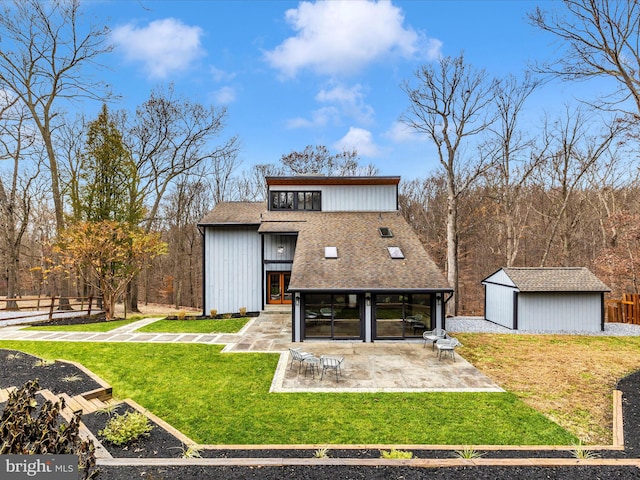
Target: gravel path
480,325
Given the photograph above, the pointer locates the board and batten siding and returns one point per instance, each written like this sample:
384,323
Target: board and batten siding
351,198
499,304
232,269
561,311
271,244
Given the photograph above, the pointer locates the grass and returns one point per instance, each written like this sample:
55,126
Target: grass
224,399
86,327
231,325
568,378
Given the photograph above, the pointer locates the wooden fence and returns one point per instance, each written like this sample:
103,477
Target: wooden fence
626,310
45,304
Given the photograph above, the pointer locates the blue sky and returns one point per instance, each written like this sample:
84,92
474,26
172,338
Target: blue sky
294,74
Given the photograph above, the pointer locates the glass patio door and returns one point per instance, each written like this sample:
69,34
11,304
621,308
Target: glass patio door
278,286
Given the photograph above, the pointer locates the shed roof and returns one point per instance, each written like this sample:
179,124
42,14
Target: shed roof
235,213
552,279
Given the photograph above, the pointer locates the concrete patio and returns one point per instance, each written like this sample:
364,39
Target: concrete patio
384,366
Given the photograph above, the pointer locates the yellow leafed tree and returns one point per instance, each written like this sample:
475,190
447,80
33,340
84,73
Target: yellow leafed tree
108,254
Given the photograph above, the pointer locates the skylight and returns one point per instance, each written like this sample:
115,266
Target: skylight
385,232
330,252
395,252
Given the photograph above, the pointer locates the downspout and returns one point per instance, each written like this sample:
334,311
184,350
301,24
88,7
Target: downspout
602,310
204,274
443,310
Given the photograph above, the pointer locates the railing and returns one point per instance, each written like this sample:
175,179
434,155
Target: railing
40,304
626,310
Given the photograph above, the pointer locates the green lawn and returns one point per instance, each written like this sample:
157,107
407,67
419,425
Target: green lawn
224,399
86,327
231,325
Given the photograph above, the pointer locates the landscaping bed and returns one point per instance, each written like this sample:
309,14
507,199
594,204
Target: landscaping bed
18,367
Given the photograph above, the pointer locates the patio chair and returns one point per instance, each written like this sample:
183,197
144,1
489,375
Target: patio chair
331,363
434,336
297,355
448,346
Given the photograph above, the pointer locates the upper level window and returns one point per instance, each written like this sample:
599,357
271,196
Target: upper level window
294,200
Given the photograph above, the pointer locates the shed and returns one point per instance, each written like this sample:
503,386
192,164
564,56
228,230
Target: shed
562,299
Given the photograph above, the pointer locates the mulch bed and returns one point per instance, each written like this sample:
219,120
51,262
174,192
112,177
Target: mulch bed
18,367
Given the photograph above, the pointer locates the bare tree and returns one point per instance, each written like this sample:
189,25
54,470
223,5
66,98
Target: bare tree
43,52
172,137
602,39
18,185
451,102
573,152
318,160
515,161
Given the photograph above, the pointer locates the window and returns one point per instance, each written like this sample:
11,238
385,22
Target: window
385,232
295,201
395,252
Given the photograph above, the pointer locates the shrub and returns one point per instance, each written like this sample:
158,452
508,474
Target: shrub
321,453
25,430
123,429
213,312
396,454
243,311
182,315
468,453
227,316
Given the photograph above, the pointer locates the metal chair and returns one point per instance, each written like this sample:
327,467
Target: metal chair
297,355
331,363
448,346
434,336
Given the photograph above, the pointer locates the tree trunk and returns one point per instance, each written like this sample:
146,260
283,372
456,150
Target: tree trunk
452,252
132,295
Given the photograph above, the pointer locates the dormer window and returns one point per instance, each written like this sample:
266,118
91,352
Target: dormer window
385,232
295,200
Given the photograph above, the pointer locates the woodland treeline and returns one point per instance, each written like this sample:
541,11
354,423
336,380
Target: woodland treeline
508,190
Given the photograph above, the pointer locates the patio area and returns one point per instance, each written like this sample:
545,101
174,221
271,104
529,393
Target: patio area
402,366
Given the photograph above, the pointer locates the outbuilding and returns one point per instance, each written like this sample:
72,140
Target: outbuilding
562,299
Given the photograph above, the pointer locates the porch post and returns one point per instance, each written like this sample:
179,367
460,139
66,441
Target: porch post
297,318
368,318
439,310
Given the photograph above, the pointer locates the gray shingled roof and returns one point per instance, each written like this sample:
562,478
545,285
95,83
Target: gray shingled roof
555,279
235,213
363,259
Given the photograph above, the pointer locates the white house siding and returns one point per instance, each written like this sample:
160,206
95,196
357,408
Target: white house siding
271,244
499,304
347,198
232,269
565,311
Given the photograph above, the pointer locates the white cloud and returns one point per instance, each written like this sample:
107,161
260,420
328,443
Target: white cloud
360,140
400,132
319,118
221,75
164,46
224,95
343,36
350,100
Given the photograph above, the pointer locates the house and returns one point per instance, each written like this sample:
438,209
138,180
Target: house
545,299
335,250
